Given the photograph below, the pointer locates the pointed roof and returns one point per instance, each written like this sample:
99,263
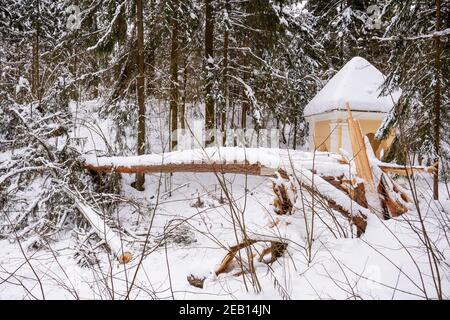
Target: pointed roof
357,83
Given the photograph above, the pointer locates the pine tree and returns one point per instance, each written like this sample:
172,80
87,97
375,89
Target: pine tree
34,24
346,30
415,67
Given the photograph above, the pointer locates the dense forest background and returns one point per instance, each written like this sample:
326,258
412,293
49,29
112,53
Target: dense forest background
252,63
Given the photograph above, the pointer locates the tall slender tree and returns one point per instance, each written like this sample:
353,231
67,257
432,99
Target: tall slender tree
226,90
36,80
174,72
140,177
210,113
437,99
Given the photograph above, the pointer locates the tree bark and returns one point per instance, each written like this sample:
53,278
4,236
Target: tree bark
437,100
35,79
209,56
140,177
150,53
35,72
183,102
174,75
226,105
235,168
294,142
244,109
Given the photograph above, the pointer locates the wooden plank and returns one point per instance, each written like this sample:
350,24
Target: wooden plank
354,142
363,154
363,168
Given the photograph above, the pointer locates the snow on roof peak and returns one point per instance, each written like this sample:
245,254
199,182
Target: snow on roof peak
358,83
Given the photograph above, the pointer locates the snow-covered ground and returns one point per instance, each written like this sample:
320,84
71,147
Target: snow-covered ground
388,261
190,229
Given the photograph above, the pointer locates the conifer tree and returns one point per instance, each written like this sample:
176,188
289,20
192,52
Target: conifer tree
415,67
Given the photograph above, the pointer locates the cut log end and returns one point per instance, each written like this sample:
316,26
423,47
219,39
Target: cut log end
125,257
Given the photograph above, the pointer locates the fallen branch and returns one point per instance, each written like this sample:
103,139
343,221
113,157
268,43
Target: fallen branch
392,167
405,171
99,226
276,249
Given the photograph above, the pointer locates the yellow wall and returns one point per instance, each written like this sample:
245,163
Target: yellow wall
339,132
368,127
386,143
321,135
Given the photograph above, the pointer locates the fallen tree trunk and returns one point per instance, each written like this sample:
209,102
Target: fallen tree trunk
335,198
237,168
359,220
99,226
355,190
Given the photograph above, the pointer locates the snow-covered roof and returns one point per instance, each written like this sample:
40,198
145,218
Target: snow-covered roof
359,84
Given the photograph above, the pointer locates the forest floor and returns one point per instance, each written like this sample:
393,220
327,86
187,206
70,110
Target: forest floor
389,261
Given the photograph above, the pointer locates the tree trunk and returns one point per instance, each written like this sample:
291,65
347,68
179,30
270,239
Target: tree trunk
437,99
251,14
226,105
150,71
140,177
35,70
35,79
244,101
174,75
209,56
294,143
150,54
341,43
183,102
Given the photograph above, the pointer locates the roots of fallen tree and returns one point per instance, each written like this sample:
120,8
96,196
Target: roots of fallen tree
276,249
